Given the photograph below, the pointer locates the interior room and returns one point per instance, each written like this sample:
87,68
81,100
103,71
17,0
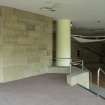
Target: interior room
52,52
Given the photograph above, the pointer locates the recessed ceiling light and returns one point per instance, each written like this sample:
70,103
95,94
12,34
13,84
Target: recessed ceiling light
98,21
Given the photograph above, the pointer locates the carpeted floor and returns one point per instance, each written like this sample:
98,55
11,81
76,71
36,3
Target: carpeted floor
49,89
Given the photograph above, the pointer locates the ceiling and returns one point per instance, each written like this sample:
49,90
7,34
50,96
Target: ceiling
82,13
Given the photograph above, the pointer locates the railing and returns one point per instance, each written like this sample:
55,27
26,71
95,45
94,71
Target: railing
73,62
76,62
98,76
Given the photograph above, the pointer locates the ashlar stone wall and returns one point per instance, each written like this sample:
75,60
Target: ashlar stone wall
25,44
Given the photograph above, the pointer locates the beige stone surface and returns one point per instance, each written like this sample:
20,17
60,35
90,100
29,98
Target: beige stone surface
25,43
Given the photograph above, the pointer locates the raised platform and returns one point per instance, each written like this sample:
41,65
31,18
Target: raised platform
78,77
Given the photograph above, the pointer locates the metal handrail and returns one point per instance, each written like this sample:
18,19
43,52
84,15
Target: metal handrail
98,76
66,58
76,62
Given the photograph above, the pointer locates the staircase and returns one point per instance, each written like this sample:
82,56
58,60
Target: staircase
76,73
80,75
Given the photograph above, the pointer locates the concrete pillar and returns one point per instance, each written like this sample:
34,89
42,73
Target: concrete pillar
63,42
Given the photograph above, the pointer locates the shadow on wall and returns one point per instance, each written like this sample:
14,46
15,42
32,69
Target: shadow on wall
54,43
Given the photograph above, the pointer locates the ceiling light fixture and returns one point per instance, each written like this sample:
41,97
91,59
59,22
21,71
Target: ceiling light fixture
50,6
48,9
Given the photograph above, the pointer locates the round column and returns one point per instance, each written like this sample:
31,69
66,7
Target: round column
63,42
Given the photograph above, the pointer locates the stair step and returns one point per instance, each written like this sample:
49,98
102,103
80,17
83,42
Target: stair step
100,91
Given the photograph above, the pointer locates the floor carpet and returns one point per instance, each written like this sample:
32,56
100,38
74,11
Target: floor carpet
49,89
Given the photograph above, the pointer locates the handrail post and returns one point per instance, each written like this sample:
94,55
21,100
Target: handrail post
82,66
98,77
70,65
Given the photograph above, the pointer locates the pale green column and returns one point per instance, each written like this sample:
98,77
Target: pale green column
63,42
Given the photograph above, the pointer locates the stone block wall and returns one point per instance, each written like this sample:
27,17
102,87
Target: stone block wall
25,44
